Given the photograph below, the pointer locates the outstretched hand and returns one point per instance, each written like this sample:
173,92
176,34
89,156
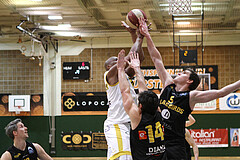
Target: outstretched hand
143,28
135,62
128,28
121,62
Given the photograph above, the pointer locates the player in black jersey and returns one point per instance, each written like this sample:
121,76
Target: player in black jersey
22,149
146,134
178,98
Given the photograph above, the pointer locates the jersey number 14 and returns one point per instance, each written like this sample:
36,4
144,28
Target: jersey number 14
158,132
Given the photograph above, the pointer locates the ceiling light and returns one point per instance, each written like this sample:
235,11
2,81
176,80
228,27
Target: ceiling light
37,0
54,17
39,8
49,27
38,12
186,31
186,18
67,33
183,23
187,34
59,27
64,25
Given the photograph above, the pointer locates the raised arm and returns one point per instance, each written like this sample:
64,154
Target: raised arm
137,40
130,107
135,64
130,30
42,155
206,96
155,55
192,143
191,120
137,47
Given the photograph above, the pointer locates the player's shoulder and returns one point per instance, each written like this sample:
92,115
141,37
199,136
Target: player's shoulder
6,156
36,145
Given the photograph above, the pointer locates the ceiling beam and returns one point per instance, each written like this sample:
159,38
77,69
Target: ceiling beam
94,13
229,11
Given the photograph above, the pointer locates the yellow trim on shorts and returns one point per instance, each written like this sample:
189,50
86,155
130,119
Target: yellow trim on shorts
119,137
121,153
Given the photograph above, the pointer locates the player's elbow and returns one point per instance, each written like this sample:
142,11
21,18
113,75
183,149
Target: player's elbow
127,103
193,121
125,91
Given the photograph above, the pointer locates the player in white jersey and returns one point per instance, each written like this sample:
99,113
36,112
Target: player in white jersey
116,112
117,124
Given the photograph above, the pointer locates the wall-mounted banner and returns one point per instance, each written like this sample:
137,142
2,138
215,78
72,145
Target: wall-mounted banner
85,102
234,137
154,83
210,137
83,140
230,102
212,105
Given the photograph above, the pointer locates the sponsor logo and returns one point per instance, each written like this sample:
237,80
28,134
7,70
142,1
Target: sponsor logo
89,103
169,104
203,134
233,102
69,103
16,156
156,150
165,114
183,94
76,139
85,101
142,135
30,150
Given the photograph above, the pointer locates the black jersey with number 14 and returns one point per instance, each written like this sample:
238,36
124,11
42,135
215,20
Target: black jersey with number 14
147,139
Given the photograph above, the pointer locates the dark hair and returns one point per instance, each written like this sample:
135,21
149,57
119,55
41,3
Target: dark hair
194,77
12,126
149,101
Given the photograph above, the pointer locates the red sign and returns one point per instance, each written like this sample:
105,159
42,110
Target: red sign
210,137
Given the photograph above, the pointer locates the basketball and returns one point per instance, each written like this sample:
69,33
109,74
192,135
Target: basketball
132,17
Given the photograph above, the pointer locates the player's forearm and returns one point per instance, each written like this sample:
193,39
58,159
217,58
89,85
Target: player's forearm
154,53
123,83
195,152
140,79
137,47
229,89
134,36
